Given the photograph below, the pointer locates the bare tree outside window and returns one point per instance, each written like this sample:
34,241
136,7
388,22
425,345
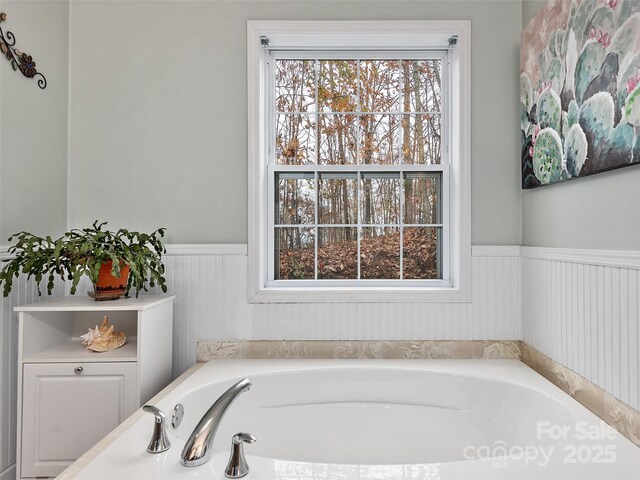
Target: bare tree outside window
346,209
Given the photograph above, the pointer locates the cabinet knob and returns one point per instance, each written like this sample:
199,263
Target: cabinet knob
78,370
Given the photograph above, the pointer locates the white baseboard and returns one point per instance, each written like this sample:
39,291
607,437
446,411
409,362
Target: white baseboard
8,473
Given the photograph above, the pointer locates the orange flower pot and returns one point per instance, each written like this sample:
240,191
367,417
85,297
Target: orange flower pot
109,287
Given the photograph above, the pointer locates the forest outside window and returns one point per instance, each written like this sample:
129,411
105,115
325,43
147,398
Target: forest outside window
357,170
359,185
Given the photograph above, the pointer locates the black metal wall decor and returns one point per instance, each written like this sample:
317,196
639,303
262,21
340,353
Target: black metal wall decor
19,60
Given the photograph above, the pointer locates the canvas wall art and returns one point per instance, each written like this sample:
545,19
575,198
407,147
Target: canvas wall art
580,90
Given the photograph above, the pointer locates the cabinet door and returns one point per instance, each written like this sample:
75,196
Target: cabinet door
68,408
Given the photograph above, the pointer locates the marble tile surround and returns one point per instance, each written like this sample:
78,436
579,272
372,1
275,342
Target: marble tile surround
345,349
624,418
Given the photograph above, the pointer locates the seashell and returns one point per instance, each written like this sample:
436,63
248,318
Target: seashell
103,338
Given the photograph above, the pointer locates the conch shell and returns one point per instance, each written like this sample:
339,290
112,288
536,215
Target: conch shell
103,338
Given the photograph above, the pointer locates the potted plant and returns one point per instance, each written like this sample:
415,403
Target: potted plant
114,261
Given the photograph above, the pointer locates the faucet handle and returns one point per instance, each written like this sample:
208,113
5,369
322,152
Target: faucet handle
243,437
237,466
159,440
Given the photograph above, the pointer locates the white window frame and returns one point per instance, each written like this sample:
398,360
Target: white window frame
362,35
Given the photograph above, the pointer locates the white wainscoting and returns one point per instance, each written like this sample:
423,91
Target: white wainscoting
22,292
211,288
581,308
210,282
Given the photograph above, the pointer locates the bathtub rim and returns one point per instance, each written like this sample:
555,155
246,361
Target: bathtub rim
185,383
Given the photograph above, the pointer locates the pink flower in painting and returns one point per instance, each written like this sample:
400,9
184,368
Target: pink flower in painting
543,87
602,37
611,3
633,82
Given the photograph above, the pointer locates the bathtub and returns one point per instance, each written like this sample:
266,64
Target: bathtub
377,419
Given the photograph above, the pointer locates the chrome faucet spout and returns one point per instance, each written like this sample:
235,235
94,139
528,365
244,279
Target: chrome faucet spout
198,449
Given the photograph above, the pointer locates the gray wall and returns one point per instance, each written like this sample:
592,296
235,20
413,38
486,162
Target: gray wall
33,165
33,122
158,111
594,212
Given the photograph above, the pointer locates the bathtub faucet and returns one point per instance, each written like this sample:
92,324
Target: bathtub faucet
198,448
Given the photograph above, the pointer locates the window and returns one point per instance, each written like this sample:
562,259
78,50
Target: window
358,176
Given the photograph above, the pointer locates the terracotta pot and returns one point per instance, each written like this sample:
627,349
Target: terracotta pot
109,287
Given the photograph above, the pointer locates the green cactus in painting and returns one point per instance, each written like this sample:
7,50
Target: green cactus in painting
588,67
526,91
629,72
555,74
625,10
632,107
596,118
620,143
626,37
526,102
568,31
573,113
601,19
571,60
588,100
547,156
575,150
549,110
581,19
551,44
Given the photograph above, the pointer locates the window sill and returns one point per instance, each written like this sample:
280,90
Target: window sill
360,295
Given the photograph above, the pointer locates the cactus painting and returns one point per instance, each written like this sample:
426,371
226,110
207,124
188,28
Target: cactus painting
579,90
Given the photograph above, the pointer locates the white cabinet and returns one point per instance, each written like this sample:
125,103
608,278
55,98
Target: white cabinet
70,398
57,429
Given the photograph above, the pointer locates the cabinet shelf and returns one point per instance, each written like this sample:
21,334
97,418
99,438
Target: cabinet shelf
81,303
74,351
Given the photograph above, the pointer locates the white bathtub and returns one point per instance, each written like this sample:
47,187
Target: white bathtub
381,419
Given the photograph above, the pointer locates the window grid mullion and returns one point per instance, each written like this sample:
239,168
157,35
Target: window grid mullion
358,228
401,222
382,168
316,72
364,225
358,174
388,112
317,230
400,110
